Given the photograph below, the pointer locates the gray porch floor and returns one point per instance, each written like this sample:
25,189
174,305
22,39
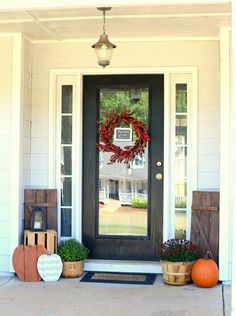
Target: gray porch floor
70,297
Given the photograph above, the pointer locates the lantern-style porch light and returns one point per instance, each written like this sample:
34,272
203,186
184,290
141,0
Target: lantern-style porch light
103,48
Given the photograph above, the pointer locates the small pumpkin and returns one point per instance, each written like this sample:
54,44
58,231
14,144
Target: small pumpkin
205,272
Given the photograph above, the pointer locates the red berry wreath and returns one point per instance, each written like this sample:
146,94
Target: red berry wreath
106,131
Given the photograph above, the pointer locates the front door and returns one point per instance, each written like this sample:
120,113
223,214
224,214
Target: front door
123,201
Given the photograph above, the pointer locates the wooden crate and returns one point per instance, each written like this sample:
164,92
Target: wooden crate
45,198
47,239
205,222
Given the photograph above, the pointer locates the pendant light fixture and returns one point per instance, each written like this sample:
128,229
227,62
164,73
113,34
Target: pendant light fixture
104,48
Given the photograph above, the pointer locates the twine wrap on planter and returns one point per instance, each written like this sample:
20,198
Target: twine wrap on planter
177,273
73,269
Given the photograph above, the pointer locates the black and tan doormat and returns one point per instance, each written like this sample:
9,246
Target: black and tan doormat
119,278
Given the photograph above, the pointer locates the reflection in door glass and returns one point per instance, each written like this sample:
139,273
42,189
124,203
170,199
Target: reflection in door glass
181,151
123,188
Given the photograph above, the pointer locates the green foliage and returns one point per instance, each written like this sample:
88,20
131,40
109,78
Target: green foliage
181,101
180,233
72,250
118,101
178,250
181,203
139,204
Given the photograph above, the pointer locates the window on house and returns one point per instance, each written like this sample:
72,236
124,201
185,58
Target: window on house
181,153
66,161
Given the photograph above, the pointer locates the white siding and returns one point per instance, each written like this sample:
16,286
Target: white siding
6,45
202,54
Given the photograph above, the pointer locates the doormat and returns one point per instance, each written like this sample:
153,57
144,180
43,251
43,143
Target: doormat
119,278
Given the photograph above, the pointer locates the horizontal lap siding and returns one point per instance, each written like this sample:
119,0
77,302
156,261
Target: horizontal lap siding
6,45
202,54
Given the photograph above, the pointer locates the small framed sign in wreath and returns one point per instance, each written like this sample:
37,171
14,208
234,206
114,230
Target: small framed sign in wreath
106,133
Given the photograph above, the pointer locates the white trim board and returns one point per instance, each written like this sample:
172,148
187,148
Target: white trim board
130,40
225,152
122,266
50,4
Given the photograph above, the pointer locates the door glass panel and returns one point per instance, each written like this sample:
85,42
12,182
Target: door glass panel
123,188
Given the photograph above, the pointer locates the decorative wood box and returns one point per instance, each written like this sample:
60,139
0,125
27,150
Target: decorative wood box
42,198
47,239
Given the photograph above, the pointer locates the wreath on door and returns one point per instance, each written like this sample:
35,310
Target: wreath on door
106,132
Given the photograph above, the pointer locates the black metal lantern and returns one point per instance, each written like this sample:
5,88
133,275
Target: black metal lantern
103,48
38,220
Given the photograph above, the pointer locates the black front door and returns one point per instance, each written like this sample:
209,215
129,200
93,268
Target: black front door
123,202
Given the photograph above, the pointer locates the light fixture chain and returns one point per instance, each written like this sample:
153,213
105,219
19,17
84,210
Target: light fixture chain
104,22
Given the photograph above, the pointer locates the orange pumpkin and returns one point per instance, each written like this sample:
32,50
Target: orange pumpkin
205,272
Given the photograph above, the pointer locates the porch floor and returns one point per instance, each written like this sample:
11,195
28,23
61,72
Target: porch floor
70,297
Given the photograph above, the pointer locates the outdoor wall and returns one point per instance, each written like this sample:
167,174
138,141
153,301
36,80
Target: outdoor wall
6,45
202,54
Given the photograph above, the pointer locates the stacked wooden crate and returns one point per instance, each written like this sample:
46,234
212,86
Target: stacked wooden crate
43,198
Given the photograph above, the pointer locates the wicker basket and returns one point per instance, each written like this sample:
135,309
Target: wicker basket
177,273
73,269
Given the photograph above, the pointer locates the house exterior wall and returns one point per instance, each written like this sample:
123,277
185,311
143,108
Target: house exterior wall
202,54
6,47
38,59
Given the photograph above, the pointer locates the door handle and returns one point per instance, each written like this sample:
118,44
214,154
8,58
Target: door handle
159,176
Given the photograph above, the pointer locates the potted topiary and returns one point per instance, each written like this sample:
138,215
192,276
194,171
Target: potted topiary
177,258
73,254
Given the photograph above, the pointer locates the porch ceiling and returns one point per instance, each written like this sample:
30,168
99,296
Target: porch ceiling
121,22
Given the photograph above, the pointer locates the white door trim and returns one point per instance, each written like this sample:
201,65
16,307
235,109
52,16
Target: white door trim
78,73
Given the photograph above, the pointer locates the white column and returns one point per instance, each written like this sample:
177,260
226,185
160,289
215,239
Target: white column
233,85
225,150
16,134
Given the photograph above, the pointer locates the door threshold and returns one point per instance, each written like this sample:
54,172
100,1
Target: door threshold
122,266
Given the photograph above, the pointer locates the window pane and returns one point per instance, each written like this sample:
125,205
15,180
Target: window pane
181,164
123,188
181,130
66,192
181,98
66,99
66,129
66,222
180,224
66,161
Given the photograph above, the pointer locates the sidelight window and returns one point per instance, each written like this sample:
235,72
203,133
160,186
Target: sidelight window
181,159
65,199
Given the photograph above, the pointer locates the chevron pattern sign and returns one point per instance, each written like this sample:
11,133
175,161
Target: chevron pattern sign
49,267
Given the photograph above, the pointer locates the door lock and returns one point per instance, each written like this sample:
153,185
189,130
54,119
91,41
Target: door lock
159,164
159,176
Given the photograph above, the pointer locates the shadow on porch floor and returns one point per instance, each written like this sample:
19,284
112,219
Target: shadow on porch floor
70,297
